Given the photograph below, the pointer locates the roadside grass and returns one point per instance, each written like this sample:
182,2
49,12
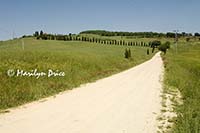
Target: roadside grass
82,62
182,72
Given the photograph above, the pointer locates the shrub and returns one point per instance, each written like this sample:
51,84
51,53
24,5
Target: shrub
127,53
164,47
187,39
168,44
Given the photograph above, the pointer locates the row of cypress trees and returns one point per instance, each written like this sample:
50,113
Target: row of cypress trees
73,37
93,40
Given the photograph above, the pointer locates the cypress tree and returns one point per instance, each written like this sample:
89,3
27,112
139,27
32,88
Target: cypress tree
153,49
129,53
126,54
70,36
41,33
147,51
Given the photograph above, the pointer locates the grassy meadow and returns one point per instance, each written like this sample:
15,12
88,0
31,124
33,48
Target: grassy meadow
85,62
183,73
82,62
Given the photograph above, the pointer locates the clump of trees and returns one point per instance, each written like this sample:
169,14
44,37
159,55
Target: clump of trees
197,34
155,44
36,34
163,47
45,36
127,53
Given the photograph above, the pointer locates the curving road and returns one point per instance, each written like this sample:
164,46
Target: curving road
128,102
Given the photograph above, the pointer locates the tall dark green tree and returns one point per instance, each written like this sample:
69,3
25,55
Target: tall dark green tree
36,34
127,53
147,51
153,49
70,36
41,33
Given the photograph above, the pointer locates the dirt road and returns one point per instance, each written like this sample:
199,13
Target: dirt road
128,102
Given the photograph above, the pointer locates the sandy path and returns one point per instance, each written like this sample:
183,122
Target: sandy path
127,102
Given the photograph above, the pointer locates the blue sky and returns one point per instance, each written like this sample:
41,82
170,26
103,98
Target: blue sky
65,16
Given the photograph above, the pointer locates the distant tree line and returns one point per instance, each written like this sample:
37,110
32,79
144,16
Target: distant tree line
45,36
73,37
138,34
111,33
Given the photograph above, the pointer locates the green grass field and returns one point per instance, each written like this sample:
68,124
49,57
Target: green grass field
85,62
183,72
82,62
